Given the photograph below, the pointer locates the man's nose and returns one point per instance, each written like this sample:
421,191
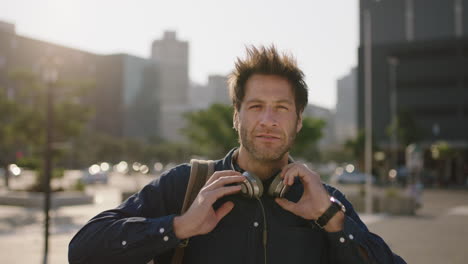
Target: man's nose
268,118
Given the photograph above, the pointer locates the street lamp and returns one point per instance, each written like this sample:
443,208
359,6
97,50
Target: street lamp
368,108
49,76
367,31
393,63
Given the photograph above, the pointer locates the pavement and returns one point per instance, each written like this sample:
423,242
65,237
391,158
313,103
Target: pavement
437,233
22,231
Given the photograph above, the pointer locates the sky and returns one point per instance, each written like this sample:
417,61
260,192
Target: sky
322,35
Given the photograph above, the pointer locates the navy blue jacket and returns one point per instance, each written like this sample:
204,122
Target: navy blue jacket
140,229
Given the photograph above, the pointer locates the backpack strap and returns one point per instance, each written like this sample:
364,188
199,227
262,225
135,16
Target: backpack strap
200,172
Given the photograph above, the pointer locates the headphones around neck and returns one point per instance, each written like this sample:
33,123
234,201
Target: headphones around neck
252,186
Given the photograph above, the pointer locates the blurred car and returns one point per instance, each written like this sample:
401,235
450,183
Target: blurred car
350,178
95,174
402,175
14,171
100,177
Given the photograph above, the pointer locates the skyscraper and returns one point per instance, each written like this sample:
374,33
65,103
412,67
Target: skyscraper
328,133
218,84
171,58
346,104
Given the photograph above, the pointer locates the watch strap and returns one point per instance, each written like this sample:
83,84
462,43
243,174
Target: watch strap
334,208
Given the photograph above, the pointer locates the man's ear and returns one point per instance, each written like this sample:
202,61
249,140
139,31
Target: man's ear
299,123
235,120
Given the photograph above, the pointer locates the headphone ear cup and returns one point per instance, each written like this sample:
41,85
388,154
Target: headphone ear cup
252,186
277,187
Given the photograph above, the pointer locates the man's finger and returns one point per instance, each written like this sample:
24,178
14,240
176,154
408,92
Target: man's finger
219,174
291,174
222,191
304,174
224,210
285,169
286,205
220,182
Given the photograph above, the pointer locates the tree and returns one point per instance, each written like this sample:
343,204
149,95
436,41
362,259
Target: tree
22,123
211,130
356,147
305,145
166,152
444,154
8,111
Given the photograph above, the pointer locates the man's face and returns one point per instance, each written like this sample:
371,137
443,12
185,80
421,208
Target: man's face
267,122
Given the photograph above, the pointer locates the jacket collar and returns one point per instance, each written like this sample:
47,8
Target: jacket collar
228,161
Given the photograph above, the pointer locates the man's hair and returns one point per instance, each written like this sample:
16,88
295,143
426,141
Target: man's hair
267,60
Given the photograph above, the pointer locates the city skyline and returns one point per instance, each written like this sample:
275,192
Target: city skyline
322,36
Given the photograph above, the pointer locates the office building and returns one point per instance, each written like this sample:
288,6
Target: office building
125,92
171,58
419,69
346,108
328,132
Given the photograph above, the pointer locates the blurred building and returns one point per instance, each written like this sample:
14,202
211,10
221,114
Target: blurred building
126,98
27,55
215,91
219,85
124,94
171,57
200,97
328,133
7,27
346,108
419,58
18,53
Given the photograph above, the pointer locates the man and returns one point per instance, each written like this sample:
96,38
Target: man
269,96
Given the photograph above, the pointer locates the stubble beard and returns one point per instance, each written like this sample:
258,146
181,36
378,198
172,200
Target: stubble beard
264,153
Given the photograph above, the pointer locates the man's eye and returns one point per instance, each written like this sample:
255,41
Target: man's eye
282,107
254,106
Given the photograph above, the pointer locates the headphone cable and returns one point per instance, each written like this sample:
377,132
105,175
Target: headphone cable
264,230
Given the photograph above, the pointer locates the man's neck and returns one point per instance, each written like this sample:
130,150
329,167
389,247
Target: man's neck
263,169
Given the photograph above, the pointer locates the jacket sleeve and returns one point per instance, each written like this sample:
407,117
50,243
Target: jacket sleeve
344,245
137,230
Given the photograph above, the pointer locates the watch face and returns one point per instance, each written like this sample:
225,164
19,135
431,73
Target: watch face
334,200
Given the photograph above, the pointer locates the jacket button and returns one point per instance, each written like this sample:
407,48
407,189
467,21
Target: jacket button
255,224
342,240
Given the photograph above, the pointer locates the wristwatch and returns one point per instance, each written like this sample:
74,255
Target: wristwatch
334,208
183,243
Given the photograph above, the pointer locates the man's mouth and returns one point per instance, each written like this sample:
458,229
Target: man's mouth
267,137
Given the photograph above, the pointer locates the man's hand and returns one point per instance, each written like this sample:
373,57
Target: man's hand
201,218
315,199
